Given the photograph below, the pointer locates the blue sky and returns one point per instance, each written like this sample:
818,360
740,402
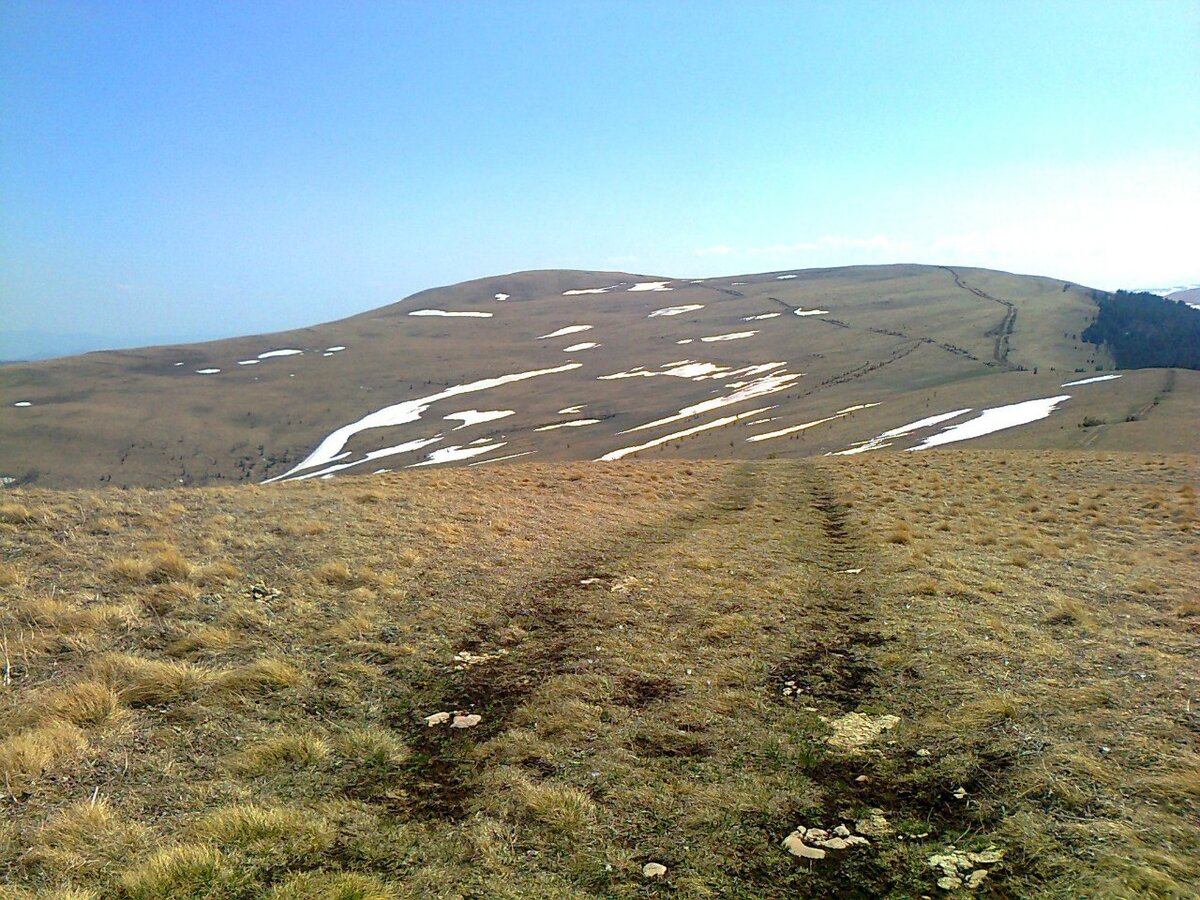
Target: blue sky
205,169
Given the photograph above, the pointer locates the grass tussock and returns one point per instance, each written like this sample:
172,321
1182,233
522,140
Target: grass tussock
88,841
257,678
187,872
140,681
90,704
29,755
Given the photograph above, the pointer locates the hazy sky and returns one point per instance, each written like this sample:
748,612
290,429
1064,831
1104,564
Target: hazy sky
220,168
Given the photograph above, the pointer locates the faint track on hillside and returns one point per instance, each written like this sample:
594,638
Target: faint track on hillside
1142,412
941,345
1001,332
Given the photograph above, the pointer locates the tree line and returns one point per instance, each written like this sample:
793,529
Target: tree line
1146,331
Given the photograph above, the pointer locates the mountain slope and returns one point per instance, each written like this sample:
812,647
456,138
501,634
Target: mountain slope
792,363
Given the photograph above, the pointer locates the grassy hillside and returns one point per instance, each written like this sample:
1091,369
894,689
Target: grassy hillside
224,692
892,344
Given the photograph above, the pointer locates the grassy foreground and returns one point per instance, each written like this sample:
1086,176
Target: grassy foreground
223,692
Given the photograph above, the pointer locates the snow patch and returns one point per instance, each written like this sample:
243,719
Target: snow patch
801,311
586,345
794,428
502,297
403,413
337,349
22,403
675,310
470,417
1090,380
454,454
207,371
735,336
784,277
249,362
718,423
273,353
768,384
651,286
407,447
760,317
883,439
574,423
445,313
495,459
571,410
997,418
567,329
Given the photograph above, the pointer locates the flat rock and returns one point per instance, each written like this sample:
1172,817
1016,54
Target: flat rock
653,870
794,844
855,730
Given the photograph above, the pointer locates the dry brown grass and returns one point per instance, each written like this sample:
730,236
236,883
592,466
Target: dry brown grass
252,702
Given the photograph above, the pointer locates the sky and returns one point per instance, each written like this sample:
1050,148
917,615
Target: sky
196,170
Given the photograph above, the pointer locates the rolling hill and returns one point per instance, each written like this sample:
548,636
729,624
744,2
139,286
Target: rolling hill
573,365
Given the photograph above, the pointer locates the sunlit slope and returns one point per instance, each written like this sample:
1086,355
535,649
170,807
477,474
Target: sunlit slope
582,365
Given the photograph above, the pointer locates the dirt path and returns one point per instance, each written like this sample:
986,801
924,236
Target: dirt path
1004,329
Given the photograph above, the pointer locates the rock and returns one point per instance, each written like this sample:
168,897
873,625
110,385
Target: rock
975,879
949,882
923,752
835,843
794,844
654,870
816,834
855,841
842,831
470,721
440,718
874,825
855,730
990,856
863,779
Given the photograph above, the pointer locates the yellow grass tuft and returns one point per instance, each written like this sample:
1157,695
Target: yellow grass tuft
205,640
28,755
89,840
188,872
169,565
8,575
149,682
276,835
259,677
89,704
336,573
165,598
282,752
562,807
15,513
333,886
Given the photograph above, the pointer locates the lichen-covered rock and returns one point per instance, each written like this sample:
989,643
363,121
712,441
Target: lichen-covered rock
855,730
